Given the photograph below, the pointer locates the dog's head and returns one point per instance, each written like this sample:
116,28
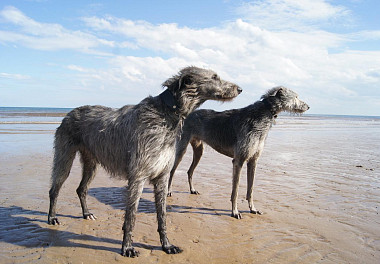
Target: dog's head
192,86
284,99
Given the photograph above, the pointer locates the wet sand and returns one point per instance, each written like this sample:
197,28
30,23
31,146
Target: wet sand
317,182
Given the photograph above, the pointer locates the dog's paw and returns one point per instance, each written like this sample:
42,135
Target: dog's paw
256,212
53,221
194,192
236,215
129,252
169,194
89,216
172,249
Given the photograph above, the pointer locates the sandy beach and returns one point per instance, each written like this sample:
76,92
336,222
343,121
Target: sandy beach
317,182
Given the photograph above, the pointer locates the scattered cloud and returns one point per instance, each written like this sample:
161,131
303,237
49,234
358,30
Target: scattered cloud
252,56
293,14
12,76
273,42
45,36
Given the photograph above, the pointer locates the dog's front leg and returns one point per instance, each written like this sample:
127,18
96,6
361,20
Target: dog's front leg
197,154
251,169
160,194
134,191
237,164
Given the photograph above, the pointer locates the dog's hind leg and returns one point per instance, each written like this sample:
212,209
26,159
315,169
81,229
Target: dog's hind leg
237,165
88,173
160,193
180,152
63,160
251,169
197,154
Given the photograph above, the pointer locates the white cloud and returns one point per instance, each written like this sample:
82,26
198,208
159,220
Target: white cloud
256,56
45,36
292,14
275,42
77,68
12,76
365,35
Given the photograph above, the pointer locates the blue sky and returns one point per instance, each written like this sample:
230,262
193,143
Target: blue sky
71,53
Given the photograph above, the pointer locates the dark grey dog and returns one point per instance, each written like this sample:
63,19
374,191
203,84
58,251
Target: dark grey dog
239,134
135,143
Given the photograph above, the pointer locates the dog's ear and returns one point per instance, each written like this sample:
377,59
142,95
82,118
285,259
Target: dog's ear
277,92
184,81
272,92
169,82
280,92
173,83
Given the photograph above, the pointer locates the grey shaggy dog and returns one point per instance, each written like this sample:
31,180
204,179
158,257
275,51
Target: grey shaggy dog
134,143
238,133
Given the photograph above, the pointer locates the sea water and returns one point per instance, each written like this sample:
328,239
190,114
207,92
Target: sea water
33,128
28,129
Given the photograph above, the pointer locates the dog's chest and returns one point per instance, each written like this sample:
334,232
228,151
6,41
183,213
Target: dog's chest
163,160
253,141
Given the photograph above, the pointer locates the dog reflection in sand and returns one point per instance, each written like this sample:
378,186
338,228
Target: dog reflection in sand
135,143
239,134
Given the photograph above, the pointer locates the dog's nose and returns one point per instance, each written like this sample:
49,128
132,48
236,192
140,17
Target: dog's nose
239,89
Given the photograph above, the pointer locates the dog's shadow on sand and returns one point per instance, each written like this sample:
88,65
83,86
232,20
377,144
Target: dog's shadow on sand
114,196
23,227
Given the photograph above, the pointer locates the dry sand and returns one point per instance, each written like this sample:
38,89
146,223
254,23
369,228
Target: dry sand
318,185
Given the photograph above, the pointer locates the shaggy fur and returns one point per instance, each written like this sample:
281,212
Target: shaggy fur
134,143
239,134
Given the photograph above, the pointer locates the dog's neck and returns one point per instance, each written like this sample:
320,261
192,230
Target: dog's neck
270,107
169,100
181,105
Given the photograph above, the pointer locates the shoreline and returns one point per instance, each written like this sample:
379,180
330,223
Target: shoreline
62,111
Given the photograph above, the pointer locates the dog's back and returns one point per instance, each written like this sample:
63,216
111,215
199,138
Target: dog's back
84,127
221,130
216,129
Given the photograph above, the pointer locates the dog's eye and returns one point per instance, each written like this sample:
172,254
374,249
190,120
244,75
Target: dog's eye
215,77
